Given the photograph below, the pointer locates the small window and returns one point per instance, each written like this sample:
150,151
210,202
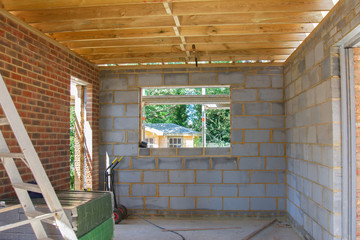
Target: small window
150,142
175,142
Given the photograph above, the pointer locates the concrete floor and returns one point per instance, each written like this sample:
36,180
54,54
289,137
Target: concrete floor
135,228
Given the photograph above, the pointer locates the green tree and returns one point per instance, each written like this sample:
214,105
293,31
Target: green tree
72,147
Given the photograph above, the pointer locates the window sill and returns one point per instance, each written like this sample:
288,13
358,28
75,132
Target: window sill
182,152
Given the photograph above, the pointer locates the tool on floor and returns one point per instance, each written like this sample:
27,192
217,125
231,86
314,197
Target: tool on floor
31,159
253,234
120,211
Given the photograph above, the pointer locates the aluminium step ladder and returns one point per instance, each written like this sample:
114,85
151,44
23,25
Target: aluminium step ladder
31,159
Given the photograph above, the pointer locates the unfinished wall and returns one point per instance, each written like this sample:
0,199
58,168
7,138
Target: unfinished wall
357,111
248,178
312,103
37,73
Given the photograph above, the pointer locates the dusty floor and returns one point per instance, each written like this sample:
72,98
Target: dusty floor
139,229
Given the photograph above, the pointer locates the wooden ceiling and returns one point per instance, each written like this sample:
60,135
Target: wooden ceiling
163,31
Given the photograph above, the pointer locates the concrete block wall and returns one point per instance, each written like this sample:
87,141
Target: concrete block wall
246,179
312,106
357,110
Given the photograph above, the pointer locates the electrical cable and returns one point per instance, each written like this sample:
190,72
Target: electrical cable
182,237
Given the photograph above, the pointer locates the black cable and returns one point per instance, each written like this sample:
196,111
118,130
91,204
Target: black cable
182,237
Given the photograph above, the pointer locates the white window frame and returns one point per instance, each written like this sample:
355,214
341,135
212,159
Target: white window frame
175,145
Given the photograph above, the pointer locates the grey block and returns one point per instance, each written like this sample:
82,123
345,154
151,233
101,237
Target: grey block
109,110
182,176
251,190
197,163
156,177
270,94
144,152
271,122
130,176
224,163
243,95
236,176
257,108
264,177
257,81
133,202
277,109
105,123
272,149
106,97
132,136
143,190
197,190
118,136
132,110
126,150
317,193
230,78
190,151
277,81
124,163
263,204
118,83
236,109
275,163
170,163
246,149
143,163
180,203
275,190
253,163
176,79
153,79
217,151
281,176
209,204
122,189
281,204
236,204
171,190
257,136
225,190
163,151
131,80
129,123
244,122
126,97
203,78
279,136
208,176
156,203
237,136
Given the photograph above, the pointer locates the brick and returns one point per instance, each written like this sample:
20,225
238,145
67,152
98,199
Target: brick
251,190
118,136
257,135
236,204
156,203
236,109
264,177
130,176
197,163
253,163
190,151
243,95
116,110
171,190
143,163
273,163
170,163
179,203
126,97
125,150
236,176
246,149
209,204
197,190
129,123
231,78
271,122
237,136
156,177
217,151
263,204
225,190
271,95
272,149
122,189
153,79
207,78
257,108
257,81
132,110
208,176
244,122
182,176
176,79
224,163
143,190
275,190
119,83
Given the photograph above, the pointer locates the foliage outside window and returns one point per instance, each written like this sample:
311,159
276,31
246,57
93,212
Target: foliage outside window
72,147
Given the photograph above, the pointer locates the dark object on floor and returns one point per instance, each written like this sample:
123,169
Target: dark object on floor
143,144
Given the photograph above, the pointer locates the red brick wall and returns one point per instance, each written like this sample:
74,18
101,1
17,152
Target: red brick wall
357,106
37,73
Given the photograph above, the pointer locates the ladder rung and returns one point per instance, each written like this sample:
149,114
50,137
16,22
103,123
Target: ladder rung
4,121
6,209
21,223
27,186
12,155
33,214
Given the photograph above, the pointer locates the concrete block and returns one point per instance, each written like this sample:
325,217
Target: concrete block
281,176
163,151
190,151
273,163
208,176
106,97
231,78
170,163
279,136
317,231
323,218
144,152
197,190
150,79
252,163
236,109
257,135
281,204
275,190
335,225
126,97
264,177
105,123
182,203
271,95
225,190
203,78
131,80
143,163
324,176
182,176
116,110
197,163
176,79
236,176
224,163
243,95
126,150
277,109
244,122
217,151
246,149
332,200
317,193
156,177
312,172
271,122
132,136
263,108
277,81
130,176
156,203
263,204
122,189
236,204
128,123
143,190
257,81
251,190
237,136
124,163
272,149
133,202
118,136
171,190
132,110
118,83
209,204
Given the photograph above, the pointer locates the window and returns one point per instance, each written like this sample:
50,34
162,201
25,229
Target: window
175,142
150,142
186,117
